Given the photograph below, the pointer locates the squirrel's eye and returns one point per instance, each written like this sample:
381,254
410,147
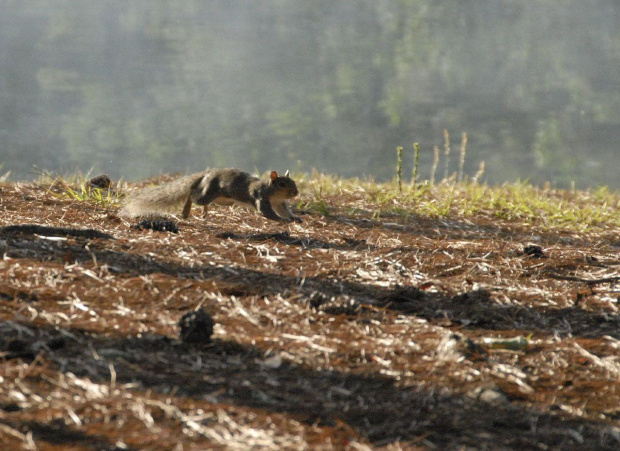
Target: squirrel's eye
281,184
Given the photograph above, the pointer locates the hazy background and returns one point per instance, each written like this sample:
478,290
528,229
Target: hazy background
136,88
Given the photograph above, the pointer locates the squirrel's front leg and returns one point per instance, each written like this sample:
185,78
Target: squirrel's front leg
292,216
282,210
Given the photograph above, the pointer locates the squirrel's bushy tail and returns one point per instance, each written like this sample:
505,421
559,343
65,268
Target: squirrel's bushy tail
162,199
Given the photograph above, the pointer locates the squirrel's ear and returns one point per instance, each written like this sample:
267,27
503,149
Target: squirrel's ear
286,174
273,176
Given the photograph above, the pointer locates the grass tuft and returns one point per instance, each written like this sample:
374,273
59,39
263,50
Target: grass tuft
399,167
4,177
81,191
416,162
84,193
446,153
435,164
462,156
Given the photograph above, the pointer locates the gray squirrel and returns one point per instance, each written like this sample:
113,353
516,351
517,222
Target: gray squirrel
222,186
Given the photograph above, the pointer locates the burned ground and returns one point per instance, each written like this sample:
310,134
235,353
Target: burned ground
345,331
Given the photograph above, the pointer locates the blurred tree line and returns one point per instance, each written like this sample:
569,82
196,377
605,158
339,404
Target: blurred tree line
148,86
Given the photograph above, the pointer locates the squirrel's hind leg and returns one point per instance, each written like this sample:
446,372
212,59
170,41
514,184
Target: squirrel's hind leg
210,194
187,207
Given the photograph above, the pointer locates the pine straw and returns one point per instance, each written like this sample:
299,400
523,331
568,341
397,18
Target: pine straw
344,331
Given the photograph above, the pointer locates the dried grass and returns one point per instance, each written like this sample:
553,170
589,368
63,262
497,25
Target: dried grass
352,330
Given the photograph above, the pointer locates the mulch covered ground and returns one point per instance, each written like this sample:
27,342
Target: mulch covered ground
345,331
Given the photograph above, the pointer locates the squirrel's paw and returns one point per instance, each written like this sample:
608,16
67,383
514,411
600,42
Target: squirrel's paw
296,219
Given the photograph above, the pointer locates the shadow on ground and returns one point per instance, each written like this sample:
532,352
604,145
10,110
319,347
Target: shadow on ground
476,309
373,406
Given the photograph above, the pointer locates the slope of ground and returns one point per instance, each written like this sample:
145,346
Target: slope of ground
362,328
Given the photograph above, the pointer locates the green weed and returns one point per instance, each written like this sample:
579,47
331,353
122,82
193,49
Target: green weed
399,167
81,191
416,162
4,177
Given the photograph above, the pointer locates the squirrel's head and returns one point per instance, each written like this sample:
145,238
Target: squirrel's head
283,185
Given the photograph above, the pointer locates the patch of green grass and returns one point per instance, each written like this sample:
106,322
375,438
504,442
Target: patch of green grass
84,193
319,206
79,190
519,201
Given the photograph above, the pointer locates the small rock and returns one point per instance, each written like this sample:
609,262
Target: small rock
534,251
490,395
17,346
196,327
317,299
404,294
101,181
56,343
19,349
457,347
473,296
159,225
10,407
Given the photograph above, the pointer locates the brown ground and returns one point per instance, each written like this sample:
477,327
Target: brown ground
343,331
